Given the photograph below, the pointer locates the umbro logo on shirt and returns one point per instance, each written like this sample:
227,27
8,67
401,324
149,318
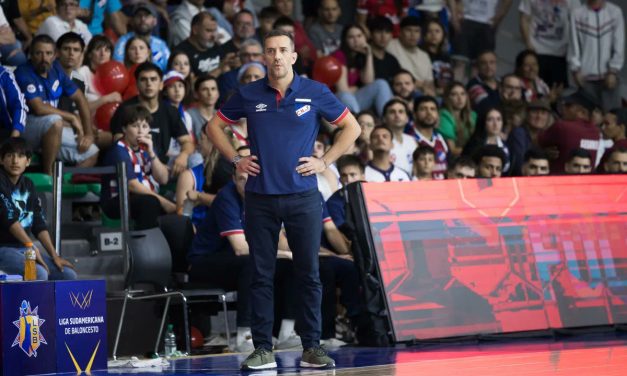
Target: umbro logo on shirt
261,107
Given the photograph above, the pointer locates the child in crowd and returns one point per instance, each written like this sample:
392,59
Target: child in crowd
424,160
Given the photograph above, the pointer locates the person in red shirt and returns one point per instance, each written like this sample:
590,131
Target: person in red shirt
574,130
367,9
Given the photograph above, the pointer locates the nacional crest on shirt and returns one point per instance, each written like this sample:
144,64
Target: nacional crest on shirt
303,110
29,336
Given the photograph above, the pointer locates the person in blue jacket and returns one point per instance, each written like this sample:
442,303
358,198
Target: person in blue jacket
13,108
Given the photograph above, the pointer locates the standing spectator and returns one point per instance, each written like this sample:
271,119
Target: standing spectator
380,168
394,10
490,160
357,87
596,51
404,87
250,51
201,47
136,51
144,20
326,33
64,21
489,132
411,57
524,138
435,44
424,160
396,117
617,161
579,162
181,20
545,28
535,163
304,47
426,119
457,119
93,13
574,130
12,106
477,33
527,69
483,88
43,83
462,168
243,29
385,64
10,48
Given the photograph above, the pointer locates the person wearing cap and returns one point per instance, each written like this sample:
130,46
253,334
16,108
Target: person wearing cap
575,129
65,21
143,21
524,138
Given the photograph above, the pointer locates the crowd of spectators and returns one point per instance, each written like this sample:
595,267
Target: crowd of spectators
419,75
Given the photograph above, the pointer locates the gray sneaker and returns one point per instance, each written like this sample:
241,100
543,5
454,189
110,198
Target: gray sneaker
259,359
316,357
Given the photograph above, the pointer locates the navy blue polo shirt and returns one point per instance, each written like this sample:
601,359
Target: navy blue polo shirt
225,217
50,88
282,129
337,207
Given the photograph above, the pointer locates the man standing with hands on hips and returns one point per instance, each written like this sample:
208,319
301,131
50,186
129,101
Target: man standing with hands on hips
282,113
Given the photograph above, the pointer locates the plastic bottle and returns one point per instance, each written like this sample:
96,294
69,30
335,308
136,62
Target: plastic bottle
30,260
169,342
188,207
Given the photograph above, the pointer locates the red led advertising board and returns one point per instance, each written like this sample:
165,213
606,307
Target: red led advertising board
486,256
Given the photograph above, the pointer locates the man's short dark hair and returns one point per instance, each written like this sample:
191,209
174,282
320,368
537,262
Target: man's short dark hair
579,153
614,150
382,127
350,160
422,150
42,38
380,23
423,99
403,71
15,145
490,151
410,21
200,18
268,12
70,37
148,66
131,114
621,118
463,161
394,101
282,21
278,33
535,153
202,78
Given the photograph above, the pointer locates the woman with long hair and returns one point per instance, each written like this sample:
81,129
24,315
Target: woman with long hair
435,44
528,70
98,52
357,87
489,131
136,51
457,119
179,61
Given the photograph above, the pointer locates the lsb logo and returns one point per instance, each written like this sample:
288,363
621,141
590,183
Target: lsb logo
29,336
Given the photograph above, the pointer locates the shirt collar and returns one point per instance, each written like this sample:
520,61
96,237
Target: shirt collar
294,85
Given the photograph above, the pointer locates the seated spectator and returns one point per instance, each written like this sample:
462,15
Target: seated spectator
511,103
457,119
136,51
527,69
351,170
35,12
98,52
435,44
490,160
380,168
243,29
522,139
250,72
165,122
483,89
357,88
143,22
179,62
13,108
405,49
327,180
462,168
426,118
22,216
250,51
304,47
579,162
536,163
424,160
206,94
43,83
489,131
393,10
616,162
367,122
95,12
443,11
385,64
396,118
404,87
10,48
182,17
144,170
574,130
267,17
614,127
65,21
201,47
596,52
286,25
326,33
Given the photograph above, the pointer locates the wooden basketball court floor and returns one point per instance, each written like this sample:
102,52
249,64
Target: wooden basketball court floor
590,355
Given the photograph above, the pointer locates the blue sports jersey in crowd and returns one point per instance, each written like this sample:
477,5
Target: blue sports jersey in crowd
200,211
158,47
12,106
337,207
282,130
50,88
100,9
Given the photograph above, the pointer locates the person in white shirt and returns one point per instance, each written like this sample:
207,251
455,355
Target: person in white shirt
396,117
380,168
181,20
64,21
